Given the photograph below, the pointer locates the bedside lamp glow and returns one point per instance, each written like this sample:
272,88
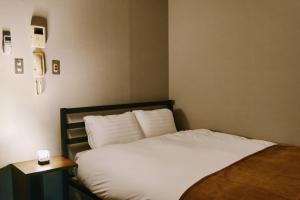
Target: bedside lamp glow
43,157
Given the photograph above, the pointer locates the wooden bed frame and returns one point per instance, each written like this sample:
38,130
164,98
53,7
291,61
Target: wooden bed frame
69,178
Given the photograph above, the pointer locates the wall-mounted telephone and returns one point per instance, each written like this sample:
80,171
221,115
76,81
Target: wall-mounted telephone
38,41
38,70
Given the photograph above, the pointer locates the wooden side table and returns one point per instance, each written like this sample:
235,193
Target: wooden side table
28,177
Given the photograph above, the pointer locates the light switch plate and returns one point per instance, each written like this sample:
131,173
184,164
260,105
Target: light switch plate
56,67
19,66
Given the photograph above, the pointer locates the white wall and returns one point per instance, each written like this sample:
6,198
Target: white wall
93,41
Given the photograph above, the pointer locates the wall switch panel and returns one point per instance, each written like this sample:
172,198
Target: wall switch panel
19,66
55,67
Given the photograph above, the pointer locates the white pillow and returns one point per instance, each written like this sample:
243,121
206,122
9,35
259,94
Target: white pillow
156,122
112,129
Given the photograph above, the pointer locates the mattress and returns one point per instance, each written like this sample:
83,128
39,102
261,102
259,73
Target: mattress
162,167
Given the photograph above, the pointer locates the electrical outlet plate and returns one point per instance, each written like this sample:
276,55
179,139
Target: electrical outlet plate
56,67
19,66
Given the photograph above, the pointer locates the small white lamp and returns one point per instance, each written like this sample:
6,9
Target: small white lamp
43,157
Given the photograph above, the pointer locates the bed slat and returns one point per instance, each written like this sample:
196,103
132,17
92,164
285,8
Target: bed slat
77,140
167,103
75,125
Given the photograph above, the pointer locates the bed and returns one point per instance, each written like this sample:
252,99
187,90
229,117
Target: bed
185,165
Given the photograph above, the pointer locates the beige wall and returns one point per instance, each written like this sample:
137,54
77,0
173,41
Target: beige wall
234,66
149,33
97,42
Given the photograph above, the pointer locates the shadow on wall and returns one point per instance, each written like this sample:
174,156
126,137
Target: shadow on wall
181,120
6,192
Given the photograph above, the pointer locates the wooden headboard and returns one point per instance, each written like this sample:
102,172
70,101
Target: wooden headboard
71,120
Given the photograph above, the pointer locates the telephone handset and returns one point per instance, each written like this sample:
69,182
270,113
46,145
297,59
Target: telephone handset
38,70
38,65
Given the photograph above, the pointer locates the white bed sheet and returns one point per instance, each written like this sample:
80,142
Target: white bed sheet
163,167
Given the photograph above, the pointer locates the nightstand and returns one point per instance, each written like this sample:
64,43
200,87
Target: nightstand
28,177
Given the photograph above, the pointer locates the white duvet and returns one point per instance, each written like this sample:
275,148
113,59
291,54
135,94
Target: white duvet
163,167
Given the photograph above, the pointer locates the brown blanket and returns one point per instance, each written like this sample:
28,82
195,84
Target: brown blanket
271,174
